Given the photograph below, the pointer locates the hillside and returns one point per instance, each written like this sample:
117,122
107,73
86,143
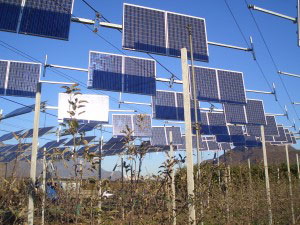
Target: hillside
275,154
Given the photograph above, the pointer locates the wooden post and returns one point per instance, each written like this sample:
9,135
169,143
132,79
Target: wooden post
44,186
290,183
188,136
262,129
34,153
298,168
173,179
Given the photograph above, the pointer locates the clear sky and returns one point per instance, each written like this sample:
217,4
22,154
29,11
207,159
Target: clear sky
280,36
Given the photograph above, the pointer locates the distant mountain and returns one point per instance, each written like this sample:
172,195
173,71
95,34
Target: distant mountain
275,155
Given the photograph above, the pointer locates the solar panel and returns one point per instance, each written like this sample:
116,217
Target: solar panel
3,72
42,132
235,130
9,136
225,146
293,138
212,145
281,137
162,32
122,124
232,88
204,124
217,123
253,130
9,14
269,138
235,113
255,112
80,141
142,125
90,149
121,73
115,143
53,144
21,77
164,105
85,127
160,136
20,111
288,136
251,141
271,127
50,19
203,143
223,138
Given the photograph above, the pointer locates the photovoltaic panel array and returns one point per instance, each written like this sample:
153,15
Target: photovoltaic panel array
50,145
225,146
10,136
161,32
255,112
215,85
251,141
204,124
203,143
212,145
293,138
168,105
136,125
281,137
21,111
271,127
80,141
9,14
42,132
85,127
43,18
89,150
15,151
288,136
121,73
253,130
217,123
160,136
269,138
235,113
21,78
115,143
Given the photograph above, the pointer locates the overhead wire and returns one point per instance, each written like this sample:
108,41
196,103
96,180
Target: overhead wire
257,62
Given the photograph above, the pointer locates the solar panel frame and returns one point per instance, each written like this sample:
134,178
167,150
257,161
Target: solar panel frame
256,117
231,85
161,29
36,18
19,80
235,113
271,127
9,15
3,74
128,74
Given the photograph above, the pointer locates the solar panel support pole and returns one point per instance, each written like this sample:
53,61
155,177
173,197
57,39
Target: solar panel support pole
289,74
100,177
67,68
296,103
298,168
92,22
261,92
294,20
290,183
198,136
34,152
229,46
135,103
56,82
262,129
122,110
188,136
173,179
44,186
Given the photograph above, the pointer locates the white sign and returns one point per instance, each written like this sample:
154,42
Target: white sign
95,109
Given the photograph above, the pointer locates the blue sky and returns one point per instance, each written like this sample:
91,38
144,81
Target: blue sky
280,36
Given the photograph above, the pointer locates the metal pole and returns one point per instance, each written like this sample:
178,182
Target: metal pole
188,136
298,168
34,152
100,177
198,136
262,129
290,183
173,179
122,166
44,186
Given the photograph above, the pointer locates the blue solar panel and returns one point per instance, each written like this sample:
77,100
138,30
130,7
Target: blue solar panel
206,84
269,138
122,125
223,138
161,32
225,146
105,72
255,112
253,130
22,79
176,135
42,131
281,137
50,19
288,136
9,14
9,136
20,111
159,137
204,124
235,113
88,150
142,125
119,73
271,127
237,139
236,130
115,143
232,88
139,76
203,144
212,145
53,144
85,127
251,141
3,72
217,123
178,36
164,106
80,140
293,138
